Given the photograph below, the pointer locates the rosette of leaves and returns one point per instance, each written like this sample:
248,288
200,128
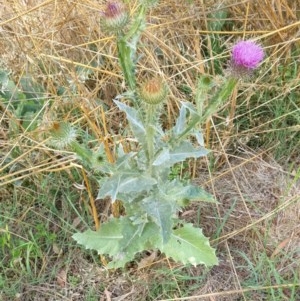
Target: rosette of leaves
150,199
25,100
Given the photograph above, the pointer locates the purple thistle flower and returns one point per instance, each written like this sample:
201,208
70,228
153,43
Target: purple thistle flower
112,10
115,17
247,55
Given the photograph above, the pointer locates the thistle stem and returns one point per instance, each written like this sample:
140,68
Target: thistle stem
220,97
127,47
82,152
203,85
126,62
151,111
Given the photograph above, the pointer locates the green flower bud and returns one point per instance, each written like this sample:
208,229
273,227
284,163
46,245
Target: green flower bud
153,91
62,135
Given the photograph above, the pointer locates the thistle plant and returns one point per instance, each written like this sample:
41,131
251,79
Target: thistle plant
140,178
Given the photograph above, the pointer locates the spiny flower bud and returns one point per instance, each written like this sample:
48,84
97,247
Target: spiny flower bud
153,91
62,135
114,17
246,56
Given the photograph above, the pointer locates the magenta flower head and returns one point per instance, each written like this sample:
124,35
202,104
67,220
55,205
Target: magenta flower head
114,17
246,56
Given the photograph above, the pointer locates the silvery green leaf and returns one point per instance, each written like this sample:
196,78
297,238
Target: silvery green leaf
8,89
186,150
179,192
136,238
162,158
174,189
180,122
159,131
126,94
120,239
120,150
106,240
161,211
199,137
196,193
109,187
135,183
188,245
125,162
135,122
125,182
190,107
186,109
31,88
140,219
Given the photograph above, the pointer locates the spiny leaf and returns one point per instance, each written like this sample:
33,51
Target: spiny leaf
178,192
186,150
180,122
161,211
135,241
192,110
125,183
162,158
188,245
8,89
106,240
199,137
121,240
179,153
136,123
196,193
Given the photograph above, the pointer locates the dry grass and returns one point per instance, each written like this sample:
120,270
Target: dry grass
259,209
